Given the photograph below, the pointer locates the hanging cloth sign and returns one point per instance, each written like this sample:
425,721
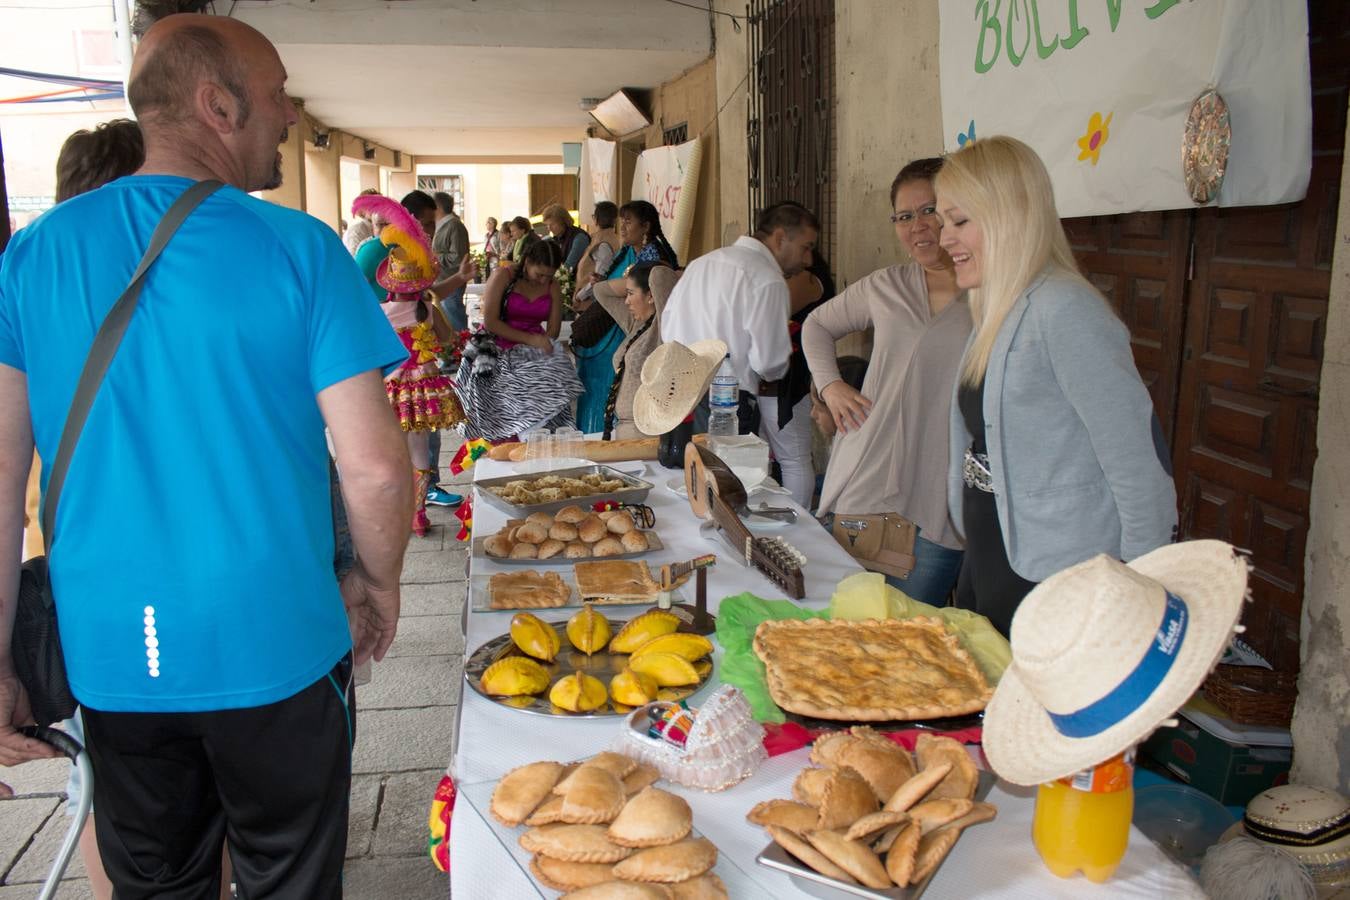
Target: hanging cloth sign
1102,89
599,177
667,177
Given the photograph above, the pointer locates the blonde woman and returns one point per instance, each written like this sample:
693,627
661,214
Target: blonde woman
1056,455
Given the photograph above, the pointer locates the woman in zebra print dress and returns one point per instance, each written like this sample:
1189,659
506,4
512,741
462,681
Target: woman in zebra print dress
530,381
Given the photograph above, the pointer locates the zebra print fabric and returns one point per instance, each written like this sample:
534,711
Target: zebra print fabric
527,388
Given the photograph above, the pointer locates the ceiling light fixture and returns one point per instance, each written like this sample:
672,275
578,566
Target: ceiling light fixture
620,114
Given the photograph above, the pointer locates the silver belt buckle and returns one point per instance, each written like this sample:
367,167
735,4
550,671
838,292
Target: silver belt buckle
977,473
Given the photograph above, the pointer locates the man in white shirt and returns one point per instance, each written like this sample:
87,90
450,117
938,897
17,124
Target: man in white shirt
739,295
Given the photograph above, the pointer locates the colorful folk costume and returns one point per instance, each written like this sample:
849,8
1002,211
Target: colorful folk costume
420,395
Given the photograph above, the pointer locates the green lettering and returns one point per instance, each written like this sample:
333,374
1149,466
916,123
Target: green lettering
1043,50
1076,31
1113,8
988,22
1160,7
1014,56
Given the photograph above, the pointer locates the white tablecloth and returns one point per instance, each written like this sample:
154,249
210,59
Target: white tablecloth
993,860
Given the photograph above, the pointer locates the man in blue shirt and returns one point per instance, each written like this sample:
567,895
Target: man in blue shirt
208,645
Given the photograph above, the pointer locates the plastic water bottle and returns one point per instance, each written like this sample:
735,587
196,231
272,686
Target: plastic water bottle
724,400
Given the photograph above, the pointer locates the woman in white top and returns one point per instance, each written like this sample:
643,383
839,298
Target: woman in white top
890,452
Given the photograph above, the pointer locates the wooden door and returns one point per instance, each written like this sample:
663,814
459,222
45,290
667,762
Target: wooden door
546,190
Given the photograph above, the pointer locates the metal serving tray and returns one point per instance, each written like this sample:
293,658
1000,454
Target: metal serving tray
635,491
818,885
482,597
653,545
603,666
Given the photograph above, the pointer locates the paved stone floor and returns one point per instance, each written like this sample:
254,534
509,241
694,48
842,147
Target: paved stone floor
405,723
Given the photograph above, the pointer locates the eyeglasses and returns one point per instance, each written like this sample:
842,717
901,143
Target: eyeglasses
910,216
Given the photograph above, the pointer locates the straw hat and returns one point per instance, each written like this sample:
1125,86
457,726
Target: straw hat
674,379
1103,652
1312,824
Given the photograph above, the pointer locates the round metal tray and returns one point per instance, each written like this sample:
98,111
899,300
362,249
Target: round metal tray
603,666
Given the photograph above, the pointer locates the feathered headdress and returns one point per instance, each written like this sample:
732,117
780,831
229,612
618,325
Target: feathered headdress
410,268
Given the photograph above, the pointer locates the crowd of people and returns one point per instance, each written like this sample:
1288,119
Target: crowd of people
1000,424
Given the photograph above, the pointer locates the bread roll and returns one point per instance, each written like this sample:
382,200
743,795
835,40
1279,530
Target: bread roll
634,541
570,514
607,547
540,518
525,550
562,531
551,548
620,524
532,532
498,545
591,529
576,550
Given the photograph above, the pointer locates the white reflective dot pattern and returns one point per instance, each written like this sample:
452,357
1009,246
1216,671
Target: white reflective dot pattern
150,611
151,643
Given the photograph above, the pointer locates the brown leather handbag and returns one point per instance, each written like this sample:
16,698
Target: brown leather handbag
880,542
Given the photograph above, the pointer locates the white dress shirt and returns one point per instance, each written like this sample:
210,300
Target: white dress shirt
736,294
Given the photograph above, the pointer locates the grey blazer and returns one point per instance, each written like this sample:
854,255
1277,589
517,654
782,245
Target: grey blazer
1079,463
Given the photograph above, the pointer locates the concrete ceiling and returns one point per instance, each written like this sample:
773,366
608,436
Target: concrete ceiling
473,77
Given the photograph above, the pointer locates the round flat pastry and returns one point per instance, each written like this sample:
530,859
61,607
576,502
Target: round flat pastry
705,887
845,798
652,818
673,862
521,790
962,780
594,795
799,847
789,814
620,890
562,875
854,858
574,843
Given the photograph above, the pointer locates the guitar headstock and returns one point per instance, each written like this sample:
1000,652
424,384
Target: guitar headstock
782,562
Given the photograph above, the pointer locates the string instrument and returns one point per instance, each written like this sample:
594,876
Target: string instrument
715,493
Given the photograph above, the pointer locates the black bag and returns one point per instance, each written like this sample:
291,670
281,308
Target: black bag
35,644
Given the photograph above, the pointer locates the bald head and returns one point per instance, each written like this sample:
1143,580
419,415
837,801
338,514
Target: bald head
179,53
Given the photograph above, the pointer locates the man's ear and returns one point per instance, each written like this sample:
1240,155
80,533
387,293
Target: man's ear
216,107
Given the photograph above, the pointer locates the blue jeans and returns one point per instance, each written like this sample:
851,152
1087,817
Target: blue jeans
934,575
453,307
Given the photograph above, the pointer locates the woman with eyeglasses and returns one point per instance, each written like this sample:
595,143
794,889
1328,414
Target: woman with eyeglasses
890,447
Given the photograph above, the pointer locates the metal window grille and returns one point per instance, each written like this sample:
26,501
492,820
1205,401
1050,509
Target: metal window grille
790,123
676,134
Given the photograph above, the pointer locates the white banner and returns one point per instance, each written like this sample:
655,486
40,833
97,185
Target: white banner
667,177
1102,91
599,177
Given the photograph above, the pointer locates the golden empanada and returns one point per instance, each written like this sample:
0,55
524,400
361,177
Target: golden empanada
616,763
980,812
884,764
845,797
652,818
808,785
962,780
593,795
791,815
933,848
547,813
799,847
562,875
574,843
916,788
639,778
900,855
824,752
674,862
621,890
521,790
873,824
931,814
705,887
855,858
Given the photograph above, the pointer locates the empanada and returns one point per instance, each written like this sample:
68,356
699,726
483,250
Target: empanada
900,855
916,788
593,795
873,824
845,797
652,818
884,764
639,778
546,813
621,890
931,814
563,875
705,887
791,815
574,843
855,858
673,862
799,847
933,848
808,785
521,790
962,780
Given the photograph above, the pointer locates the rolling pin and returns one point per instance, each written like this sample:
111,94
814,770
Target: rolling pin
595,451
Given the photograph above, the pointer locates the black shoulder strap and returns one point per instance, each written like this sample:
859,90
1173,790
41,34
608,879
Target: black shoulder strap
105,346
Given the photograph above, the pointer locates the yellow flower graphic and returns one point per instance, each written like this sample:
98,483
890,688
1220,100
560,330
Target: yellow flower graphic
1098,130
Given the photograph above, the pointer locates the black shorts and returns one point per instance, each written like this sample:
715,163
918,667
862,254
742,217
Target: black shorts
273,780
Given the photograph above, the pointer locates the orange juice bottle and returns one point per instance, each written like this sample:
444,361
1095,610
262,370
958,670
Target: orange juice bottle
1082,823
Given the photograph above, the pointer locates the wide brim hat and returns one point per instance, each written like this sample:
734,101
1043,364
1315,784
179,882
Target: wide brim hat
398,274
674,379
1104,652
1310,823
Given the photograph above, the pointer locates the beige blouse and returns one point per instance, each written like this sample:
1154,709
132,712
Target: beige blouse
897,461
610,295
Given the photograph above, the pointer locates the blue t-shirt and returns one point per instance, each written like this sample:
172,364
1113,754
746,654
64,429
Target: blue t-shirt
193,553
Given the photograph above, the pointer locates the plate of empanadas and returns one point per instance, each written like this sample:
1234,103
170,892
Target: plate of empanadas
869,819
567,535
604,828
554,489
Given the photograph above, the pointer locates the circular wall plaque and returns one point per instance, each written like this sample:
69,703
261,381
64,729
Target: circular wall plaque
1204,148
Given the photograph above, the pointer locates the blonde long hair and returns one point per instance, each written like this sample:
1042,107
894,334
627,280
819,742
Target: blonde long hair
1002,184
